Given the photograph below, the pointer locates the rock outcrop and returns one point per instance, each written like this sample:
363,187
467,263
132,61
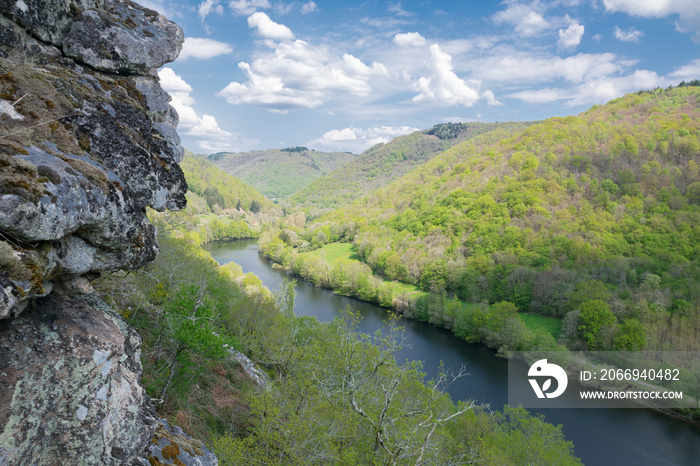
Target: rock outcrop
87,143
94,144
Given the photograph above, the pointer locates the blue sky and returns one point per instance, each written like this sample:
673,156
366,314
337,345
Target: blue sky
331,75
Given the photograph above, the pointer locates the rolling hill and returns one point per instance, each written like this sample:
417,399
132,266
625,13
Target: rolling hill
277,173
384,163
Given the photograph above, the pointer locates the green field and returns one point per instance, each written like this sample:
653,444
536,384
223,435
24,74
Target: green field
334,251
399,288
551,325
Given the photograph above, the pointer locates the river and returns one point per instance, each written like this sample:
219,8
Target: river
620,437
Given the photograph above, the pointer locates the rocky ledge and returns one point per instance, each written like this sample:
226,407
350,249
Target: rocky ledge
87,143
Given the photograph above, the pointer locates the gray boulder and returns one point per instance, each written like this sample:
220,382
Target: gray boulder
70,389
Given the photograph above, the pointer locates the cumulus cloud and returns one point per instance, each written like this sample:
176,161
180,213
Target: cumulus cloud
570,37
299,75
409,39
358,140
205,130
267,28
526,20
442,85
688,12
631,35
595,91
196,47
491,98
247,7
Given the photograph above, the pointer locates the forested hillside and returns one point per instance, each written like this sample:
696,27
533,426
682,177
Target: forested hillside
220,190
384,163
219,206
280,172
594,218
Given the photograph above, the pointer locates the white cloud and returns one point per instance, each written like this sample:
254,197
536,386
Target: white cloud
647,8
596,91
570,37
268,28
409,39
631,35
524,67
526,20
286,8
688,12
307,8
202,48
491,98
688,72
442,85
209,6
358,140
299,75
205,130
247,7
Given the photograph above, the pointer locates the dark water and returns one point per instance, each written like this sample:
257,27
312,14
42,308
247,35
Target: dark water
601,436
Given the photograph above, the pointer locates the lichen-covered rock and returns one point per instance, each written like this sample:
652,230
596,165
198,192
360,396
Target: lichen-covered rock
87,144
131,44
48,20
171,445
110,35
86,150
70,388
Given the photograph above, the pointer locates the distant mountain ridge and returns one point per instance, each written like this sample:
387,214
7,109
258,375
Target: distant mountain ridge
381,164
277,173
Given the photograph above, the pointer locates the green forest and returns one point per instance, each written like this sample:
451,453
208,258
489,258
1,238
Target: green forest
337,396
219,206
380,165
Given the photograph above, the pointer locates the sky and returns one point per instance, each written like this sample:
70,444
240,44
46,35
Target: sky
344,76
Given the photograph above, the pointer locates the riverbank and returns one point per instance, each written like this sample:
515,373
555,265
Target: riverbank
498,326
